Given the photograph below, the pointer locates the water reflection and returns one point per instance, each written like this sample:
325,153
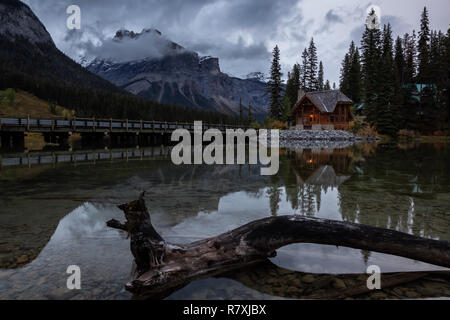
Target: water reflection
54,215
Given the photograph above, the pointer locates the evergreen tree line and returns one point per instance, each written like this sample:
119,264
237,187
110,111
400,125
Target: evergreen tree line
245,120
401,84
88,102
309,76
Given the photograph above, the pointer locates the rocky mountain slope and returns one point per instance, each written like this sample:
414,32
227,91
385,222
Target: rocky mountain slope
180,76
27,47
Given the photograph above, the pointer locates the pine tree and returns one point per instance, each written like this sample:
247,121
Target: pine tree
327,85
293,84
344,84
386,99
312,67
287,105
305,69
355,77
371,55
350,79
437,54
409,106
446,78
428,74
410,53
399,60
274,85
431,102
320,77
404,108
334,85
241,112
250,119
423,48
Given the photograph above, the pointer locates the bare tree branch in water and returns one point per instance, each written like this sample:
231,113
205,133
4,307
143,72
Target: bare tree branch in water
163,267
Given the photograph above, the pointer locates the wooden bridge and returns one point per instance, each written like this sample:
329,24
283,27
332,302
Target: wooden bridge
92,131
53,158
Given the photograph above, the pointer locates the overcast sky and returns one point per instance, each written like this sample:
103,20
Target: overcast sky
241,33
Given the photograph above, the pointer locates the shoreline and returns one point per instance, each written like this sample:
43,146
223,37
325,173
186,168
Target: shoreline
320,137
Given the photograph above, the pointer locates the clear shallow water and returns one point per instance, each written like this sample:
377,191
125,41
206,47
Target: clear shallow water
53,213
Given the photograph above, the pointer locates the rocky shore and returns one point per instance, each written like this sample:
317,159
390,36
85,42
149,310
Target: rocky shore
311,138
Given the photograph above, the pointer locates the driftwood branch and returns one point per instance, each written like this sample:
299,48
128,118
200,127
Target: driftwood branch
163,267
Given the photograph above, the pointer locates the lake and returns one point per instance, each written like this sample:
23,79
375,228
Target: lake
54,206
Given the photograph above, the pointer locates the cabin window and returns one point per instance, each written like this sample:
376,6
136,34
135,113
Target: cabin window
331,118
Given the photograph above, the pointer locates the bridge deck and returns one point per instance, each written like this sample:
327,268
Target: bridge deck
26,124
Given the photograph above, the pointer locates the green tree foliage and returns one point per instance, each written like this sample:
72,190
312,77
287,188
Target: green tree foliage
403,85
304,73
292,85
241,112
344,81
312,83
371,55
10,96
320,80
327,85
311,71
399,60
275,85
250,118
386,100
287,106
424,48
350,79
355,77
445,83
410,56
430,76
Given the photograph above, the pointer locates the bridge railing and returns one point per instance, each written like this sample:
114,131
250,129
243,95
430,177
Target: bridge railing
106,124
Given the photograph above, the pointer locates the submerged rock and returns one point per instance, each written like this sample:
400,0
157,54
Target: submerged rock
339,284
308,278
22,259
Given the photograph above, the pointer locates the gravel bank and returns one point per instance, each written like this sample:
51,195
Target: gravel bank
312,138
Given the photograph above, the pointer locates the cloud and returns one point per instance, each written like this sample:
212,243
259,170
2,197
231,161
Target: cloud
332,17
147,44
240,33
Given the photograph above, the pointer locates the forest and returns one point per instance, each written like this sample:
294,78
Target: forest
397,85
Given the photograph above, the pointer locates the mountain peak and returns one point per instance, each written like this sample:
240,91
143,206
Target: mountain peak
17,20
259,76
124,33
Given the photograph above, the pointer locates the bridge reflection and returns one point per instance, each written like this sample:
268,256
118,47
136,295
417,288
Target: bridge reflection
29,159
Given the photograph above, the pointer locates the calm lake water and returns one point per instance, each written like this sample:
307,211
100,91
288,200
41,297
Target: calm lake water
54,205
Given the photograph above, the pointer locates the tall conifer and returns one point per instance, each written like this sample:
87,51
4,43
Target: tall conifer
275,85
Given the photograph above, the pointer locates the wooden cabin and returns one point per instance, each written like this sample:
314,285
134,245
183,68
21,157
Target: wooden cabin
322,110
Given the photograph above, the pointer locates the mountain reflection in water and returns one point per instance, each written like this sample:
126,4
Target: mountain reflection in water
53,214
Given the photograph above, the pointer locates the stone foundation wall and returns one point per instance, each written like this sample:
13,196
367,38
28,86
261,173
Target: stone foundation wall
313,127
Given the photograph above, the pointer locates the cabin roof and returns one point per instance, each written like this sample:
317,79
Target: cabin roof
325,101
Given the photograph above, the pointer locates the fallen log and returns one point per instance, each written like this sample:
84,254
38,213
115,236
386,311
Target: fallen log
163,267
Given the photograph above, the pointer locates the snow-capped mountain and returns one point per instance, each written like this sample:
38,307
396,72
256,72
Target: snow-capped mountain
152,66
258,76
